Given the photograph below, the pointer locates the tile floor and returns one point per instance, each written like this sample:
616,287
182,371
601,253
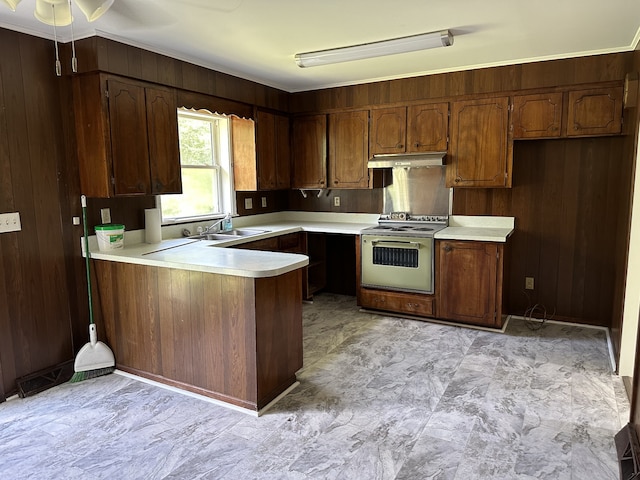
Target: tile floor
380,398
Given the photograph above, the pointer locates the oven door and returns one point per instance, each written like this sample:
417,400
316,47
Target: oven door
397,263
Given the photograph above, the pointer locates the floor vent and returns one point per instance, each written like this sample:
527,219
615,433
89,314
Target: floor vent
43,379
628,452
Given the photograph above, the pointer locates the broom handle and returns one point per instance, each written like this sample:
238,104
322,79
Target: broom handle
87,255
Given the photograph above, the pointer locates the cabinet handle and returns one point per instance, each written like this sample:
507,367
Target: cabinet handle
416,144
448,248
335,182
458,179
399,146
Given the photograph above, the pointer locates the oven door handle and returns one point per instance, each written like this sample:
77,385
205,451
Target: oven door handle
396,244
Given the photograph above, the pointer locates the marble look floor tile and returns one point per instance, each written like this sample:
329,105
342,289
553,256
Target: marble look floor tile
380,398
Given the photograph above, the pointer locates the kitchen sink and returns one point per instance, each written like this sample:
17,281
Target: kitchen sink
229,234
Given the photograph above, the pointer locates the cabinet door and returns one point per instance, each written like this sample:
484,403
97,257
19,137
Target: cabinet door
309,152
537,115
93,141
349,149
427,127
129,148
266,150
164,150
596,111
283,153
480,153
467,282
388,130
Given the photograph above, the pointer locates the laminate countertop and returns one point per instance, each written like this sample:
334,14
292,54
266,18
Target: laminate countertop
477,228
219,256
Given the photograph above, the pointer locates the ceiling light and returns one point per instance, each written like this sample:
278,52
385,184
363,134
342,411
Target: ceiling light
57,13
412,43
53,12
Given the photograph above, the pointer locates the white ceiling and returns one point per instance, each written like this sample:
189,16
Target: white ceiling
257,39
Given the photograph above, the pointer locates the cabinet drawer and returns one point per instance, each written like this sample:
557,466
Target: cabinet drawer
414,304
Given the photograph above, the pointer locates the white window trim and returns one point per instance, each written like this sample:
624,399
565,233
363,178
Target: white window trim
226,191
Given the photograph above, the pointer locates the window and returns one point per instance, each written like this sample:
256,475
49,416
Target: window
207,173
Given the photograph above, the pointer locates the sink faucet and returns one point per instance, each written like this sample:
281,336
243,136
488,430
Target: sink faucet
216,224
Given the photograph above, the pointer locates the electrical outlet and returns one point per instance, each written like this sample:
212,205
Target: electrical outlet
10,222
264,202
76,220
105,215
336,201
528,283
248,203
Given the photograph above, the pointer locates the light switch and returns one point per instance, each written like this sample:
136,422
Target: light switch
264,202
248,203
10,222
105,215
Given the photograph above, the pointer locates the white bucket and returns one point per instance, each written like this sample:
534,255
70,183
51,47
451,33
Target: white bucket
110,237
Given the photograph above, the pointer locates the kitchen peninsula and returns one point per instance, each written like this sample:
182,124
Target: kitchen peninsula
225,323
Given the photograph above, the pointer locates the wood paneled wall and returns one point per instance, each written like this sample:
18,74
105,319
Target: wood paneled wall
598,68
565,198
36,276
97,53
351,201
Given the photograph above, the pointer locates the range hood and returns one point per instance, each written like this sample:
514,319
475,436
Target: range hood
407,160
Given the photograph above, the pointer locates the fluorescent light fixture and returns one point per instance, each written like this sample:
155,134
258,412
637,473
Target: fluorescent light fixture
412,43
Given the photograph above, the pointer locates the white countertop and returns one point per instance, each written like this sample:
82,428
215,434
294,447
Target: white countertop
216,256
477,228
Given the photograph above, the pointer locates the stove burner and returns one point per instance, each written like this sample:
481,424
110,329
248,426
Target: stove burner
422,229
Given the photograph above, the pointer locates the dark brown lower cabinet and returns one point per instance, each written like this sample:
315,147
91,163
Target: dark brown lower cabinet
235,339
469,282
314,276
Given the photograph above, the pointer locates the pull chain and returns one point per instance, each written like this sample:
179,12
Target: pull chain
74,60
55,41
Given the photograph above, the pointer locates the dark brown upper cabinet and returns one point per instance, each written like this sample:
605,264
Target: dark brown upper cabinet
349,149
270,168
127,137
412,129
309,151
595,111
481,153
537,115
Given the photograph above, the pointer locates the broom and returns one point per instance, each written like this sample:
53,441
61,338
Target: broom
94,358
